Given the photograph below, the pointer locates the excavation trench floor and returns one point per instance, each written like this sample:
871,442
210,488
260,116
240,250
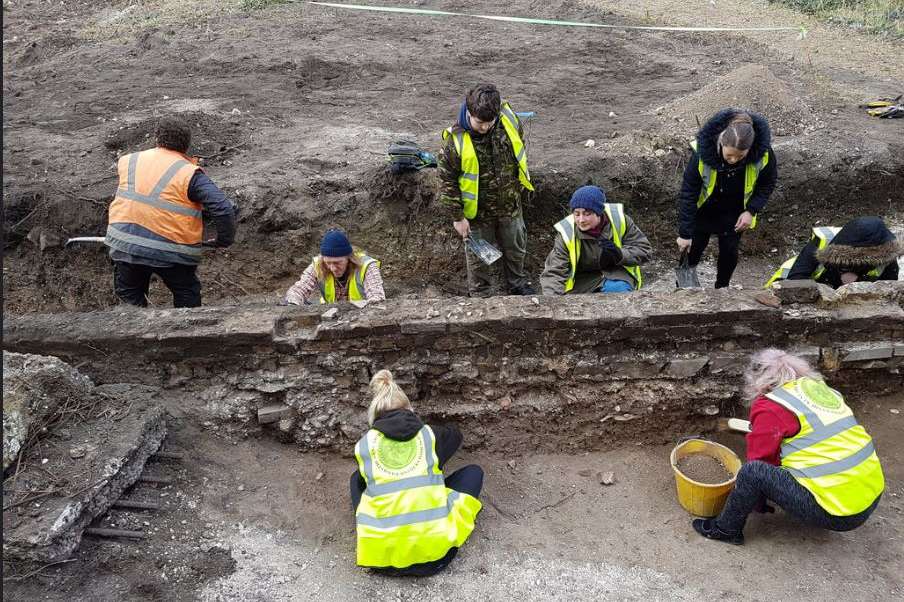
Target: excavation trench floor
256,520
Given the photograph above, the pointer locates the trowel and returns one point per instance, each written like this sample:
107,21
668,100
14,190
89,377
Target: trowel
734,424
484,250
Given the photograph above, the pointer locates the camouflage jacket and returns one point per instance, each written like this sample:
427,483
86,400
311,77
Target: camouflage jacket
500,190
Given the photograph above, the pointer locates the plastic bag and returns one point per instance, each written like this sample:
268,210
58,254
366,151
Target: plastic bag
686,275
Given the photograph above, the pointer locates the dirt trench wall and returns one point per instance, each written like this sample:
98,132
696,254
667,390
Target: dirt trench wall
515,373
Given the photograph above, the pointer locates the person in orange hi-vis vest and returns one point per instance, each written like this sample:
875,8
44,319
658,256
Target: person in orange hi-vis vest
155,221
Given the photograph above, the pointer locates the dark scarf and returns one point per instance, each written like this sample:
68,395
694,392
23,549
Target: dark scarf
598,231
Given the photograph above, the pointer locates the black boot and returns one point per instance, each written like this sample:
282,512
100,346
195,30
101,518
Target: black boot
707,528
524,289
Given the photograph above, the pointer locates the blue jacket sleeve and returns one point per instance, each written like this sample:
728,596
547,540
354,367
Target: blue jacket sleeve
201,189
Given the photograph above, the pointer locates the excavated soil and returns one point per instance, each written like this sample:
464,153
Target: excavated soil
751,86
294,106
704,469
251,519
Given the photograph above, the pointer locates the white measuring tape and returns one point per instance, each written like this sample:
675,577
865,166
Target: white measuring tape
443,13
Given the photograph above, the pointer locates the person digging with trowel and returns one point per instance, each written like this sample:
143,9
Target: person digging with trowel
483,170
864,250
339,273
805,452
598,248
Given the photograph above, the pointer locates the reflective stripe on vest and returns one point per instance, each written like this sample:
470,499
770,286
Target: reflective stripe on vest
115,234
469,179
153,194
832,455
355,285
825,235
618,226
406,514
410,518
708,175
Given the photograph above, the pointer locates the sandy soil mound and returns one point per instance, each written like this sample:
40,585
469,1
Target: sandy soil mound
752,87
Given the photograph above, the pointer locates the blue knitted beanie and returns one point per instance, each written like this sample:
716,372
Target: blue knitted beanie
588,197
335,244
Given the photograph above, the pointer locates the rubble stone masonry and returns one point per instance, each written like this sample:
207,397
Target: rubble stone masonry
516,373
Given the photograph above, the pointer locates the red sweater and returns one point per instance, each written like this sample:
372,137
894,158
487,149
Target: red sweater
770,422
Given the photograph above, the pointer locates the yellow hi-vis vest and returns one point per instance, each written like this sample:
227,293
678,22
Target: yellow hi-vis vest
832,456
470,170
566,228
825,235
407,515
355,283
708,174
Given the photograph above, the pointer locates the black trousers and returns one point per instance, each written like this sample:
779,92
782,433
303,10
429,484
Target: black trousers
132,280
758,482
728,254
468,479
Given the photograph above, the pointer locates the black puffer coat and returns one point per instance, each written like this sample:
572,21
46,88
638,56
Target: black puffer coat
721,211
862,245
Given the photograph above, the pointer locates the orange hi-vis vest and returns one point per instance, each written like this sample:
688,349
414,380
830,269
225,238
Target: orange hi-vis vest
153,194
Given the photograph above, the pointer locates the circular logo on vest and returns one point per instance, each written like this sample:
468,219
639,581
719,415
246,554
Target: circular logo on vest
821,394
395,455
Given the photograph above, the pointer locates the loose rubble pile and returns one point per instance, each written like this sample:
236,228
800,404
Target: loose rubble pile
72,449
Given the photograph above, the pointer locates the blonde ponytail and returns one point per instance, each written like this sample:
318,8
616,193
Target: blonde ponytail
387,396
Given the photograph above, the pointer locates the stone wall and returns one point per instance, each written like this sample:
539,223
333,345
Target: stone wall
517,373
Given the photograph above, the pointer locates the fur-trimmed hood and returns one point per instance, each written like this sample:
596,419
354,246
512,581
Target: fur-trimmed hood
707,137
861,245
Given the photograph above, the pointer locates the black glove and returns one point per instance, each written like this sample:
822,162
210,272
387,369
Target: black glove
610,255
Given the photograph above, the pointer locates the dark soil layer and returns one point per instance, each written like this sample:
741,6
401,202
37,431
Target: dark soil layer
295,111
704,469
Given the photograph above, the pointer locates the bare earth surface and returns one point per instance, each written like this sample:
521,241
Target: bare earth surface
854,59
294,106
254,520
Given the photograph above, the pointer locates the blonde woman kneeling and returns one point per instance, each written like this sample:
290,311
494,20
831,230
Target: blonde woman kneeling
805,452
411,520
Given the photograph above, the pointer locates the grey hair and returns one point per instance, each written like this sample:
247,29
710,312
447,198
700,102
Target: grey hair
771,368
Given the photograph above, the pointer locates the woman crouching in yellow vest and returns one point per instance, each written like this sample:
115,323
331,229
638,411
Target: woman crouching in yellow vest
339,273
805,452
598,248
410,518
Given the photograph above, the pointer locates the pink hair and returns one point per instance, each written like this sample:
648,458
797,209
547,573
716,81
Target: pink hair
771,368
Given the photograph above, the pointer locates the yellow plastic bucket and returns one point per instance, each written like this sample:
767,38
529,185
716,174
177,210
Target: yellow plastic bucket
701,499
